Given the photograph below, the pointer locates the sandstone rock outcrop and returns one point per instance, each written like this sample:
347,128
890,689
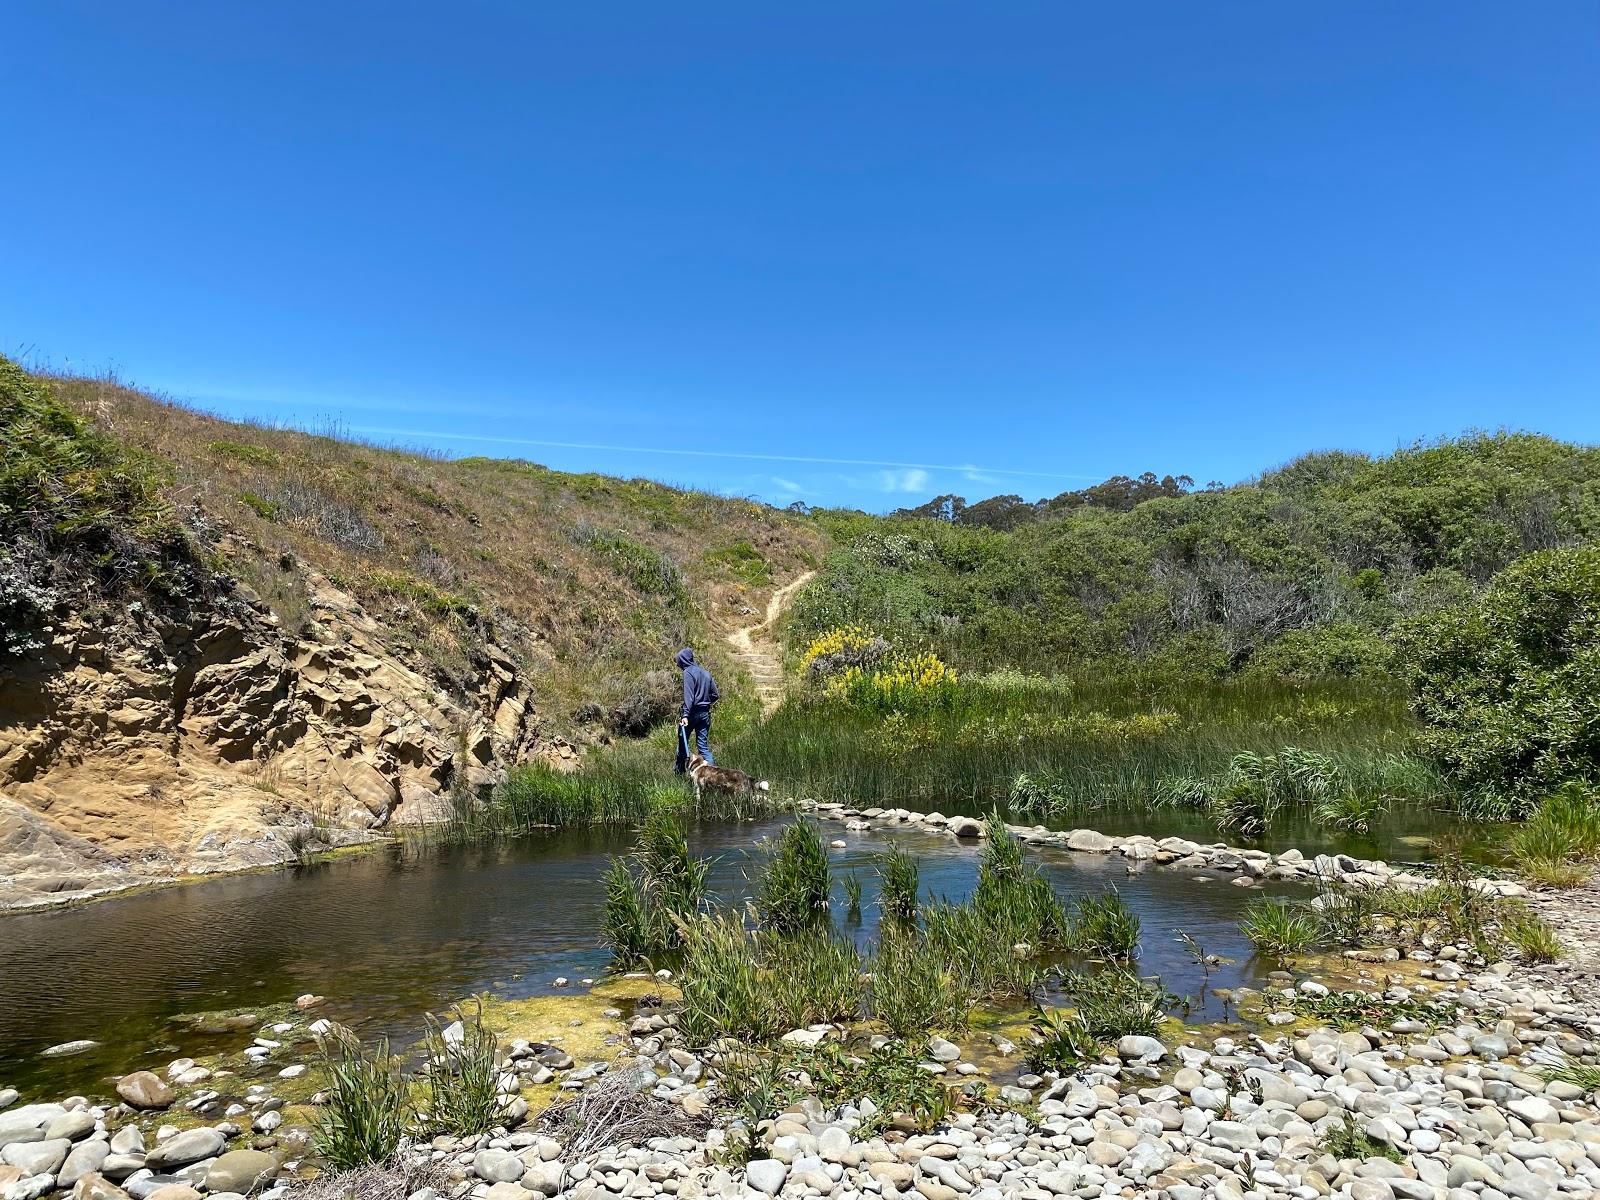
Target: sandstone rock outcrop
144,745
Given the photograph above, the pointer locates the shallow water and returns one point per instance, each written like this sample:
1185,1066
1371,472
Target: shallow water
401,931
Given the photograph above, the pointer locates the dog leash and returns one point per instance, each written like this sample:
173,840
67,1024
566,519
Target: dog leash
683,740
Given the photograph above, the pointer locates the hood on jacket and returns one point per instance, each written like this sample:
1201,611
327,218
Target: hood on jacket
685,657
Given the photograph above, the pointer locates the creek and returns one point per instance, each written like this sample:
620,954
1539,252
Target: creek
410,928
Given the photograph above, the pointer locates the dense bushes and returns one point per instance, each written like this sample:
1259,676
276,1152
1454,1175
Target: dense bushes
1508,684
1300,573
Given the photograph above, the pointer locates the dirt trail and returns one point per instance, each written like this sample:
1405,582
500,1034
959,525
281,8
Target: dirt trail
753,645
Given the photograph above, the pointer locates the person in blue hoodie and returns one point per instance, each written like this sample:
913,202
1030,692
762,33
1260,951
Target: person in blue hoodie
699,694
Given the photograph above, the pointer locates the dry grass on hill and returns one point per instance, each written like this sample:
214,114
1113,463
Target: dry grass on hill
598,579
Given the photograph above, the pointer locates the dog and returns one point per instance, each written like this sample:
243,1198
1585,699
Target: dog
707,777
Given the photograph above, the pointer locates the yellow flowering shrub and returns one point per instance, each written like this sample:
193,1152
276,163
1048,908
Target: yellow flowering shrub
917,681
845,637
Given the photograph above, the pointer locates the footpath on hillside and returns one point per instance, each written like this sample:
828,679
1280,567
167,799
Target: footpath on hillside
755,647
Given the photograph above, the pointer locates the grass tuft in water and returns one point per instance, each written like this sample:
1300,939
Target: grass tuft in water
1105,927
898,883
651,892
1280,928
793,887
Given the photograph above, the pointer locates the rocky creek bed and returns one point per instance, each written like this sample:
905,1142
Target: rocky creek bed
1439,1090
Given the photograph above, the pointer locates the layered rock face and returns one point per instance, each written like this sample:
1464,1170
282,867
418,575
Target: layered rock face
153,744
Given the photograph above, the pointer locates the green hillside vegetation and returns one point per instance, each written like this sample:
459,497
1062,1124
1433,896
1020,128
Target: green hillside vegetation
1421,627
1299,574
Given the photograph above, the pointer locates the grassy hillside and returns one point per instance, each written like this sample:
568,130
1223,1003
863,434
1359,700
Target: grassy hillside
590,579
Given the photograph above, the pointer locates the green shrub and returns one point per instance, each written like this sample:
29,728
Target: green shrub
890,1075
67,485
1508,684
367,1104
1061,1042
741,560
755,1086
792,891
1116,1002
267,510
1350,812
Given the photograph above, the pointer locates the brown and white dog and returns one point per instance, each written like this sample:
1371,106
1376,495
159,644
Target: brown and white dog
708,777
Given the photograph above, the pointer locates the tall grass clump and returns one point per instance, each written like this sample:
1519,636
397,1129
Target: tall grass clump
993,961
1105,926
1013,898
367,1104
812,978
792,890
1560,842
1279,928
915,989
1115,1002
898,882
1352,812
651,893
723,992
1529,935
852,896
461,1078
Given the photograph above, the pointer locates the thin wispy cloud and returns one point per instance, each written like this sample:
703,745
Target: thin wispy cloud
787,485
913,480
437,435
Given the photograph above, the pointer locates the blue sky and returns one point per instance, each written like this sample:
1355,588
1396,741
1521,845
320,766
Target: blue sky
974,248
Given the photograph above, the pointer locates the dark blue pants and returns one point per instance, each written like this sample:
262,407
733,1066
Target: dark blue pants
700,727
